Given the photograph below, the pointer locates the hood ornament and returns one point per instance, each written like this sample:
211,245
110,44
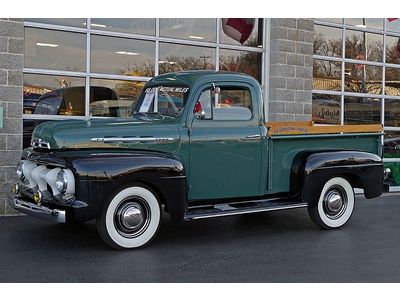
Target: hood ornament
39,143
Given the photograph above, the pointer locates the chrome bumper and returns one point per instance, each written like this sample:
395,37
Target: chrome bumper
41,212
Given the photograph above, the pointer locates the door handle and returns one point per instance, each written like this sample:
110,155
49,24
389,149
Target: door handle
253,137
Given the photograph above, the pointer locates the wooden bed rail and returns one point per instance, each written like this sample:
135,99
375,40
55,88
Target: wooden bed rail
295,128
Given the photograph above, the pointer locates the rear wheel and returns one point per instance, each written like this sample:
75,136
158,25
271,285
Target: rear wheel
335,204
130,219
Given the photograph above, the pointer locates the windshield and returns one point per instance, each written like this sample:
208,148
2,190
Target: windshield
163,100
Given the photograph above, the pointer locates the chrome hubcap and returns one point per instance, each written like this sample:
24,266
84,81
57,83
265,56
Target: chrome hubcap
335,202
132,217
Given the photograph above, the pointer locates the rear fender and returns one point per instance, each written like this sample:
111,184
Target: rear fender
311,170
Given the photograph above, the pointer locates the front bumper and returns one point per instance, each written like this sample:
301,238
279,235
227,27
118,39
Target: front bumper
41,212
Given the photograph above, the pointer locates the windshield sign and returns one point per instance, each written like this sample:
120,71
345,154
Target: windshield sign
164,100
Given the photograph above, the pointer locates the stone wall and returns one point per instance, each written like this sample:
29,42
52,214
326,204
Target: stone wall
11,64
291,58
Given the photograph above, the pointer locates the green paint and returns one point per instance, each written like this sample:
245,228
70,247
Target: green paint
219,160
282,151
394,167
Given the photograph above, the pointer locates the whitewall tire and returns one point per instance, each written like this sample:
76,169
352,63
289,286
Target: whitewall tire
335,204
130,219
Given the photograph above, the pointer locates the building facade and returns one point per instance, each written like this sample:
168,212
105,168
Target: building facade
332,71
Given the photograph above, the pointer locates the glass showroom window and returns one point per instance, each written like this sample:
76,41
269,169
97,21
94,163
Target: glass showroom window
105,62
122,56
369,74
54,95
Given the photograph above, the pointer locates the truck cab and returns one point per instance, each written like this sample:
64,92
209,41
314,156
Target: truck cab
196,146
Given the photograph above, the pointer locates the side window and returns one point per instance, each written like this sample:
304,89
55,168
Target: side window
230,104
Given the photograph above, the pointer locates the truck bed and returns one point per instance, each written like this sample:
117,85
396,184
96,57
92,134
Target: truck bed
286,139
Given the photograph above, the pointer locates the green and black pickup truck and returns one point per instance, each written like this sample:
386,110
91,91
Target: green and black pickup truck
196,146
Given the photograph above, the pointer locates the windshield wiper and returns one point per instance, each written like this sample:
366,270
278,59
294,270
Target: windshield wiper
147,114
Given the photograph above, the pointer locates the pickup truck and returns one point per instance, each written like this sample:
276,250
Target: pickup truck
196,146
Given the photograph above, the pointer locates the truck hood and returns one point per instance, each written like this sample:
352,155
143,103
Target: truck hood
132,133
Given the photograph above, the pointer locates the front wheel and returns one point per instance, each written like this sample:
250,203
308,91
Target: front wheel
335,205
130,219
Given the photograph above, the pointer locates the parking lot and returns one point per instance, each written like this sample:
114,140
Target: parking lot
282,246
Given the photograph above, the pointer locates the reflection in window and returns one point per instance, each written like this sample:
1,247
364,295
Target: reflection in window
134,26
55,50
254,40
331,20
163,100
393,25
241,61
391,149
327,75
392,49
326,109
362,110
327,41
54,95
113,98
176,57
74,22
361,78
364,46
189,29
365,23
392,112
392,81
122,56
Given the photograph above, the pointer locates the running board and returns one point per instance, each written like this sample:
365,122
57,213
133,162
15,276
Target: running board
238,208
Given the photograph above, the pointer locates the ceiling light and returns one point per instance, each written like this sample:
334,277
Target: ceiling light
127,53
196,37
98,25
46,45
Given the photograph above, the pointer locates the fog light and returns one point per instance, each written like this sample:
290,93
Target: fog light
37,197
15,188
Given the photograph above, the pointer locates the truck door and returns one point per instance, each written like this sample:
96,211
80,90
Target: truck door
225,143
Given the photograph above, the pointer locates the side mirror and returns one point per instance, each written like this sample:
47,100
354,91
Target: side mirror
201,115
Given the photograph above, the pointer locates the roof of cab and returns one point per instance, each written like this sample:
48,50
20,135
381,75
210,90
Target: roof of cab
190,77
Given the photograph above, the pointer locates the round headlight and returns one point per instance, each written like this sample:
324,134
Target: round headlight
20,171
61,181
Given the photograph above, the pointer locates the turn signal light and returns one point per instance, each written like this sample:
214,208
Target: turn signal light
37,197
15,188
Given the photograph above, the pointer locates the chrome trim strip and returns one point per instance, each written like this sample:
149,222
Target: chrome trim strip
243,212
132,139
253,137
41,212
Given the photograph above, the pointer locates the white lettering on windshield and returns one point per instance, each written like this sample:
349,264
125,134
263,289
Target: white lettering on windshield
170,89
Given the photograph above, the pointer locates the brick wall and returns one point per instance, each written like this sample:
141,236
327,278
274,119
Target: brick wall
290,84
11,63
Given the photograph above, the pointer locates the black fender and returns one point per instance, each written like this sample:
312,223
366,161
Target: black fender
101,174
311,170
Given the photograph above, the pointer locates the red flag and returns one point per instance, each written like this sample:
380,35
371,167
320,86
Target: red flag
392,19
238,29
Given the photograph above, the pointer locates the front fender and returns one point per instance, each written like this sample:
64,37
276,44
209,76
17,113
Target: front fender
100,175
311,170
